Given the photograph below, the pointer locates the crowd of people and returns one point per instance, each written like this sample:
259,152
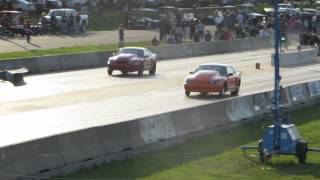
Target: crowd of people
229,25
237,24
69,24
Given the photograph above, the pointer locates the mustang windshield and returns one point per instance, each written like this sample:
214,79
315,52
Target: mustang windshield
138,52
220,69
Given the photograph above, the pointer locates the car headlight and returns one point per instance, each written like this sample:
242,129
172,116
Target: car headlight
110,61
214,82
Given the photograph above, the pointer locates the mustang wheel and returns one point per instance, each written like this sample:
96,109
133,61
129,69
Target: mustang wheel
110,70
236,91
153,70
222,92
187,93
124,72
140,71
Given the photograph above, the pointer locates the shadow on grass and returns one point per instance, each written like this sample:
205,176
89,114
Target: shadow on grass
199,148
308,169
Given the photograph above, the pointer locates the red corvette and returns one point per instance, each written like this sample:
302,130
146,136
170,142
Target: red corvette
213,78
132,59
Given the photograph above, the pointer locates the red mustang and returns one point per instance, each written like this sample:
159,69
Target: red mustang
213,78
132,59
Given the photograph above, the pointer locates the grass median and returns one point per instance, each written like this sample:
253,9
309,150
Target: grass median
218,156
67,50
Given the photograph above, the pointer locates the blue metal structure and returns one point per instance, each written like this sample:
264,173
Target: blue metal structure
277,125
280,138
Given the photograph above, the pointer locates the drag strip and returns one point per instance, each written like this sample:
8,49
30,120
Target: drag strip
56,103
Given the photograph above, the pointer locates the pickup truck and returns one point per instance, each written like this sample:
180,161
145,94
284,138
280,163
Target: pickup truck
58,13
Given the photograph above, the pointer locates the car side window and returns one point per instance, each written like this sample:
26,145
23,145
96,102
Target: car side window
148,53
234,71
144,53
230,70
141,53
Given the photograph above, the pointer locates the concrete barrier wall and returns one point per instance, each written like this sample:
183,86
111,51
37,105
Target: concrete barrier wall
98,59
314,89
292,58
56,155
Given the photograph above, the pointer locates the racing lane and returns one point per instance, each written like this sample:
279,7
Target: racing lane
62,102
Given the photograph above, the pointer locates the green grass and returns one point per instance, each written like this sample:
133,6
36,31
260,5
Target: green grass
218,156
67,50
106,20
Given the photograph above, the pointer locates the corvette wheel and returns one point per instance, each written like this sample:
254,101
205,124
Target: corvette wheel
110,70
140,71
187,93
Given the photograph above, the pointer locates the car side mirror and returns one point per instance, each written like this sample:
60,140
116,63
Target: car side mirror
230,74
145,56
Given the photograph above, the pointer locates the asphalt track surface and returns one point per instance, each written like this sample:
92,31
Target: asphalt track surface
56,103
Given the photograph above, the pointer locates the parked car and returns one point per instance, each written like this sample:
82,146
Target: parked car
23,5
288,8
75,4
54,4
143,23
11,23
132,59
39,4
58,13
213,78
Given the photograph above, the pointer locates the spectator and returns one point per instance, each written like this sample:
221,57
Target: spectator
43,21
238,30
53,23
78,27
28,31
263,33
178,36
155,41
253,32
71,24
200,29
171,39
64,24
162,26
196,37
313,40
121,36
208,36
227,34
192,29
240,18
